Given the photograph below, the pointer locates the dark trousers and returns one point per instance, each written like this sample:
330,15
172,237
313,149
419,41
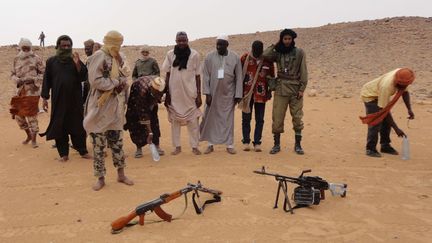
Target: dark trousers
383,129
78,142
259,123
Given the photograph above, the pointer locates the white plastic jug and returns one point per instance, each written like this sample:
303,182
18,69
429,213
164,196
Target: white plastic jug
154,152
405,148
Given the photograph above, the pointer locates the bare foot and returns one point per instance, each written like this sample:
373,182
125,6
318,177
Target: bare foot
28,139
99,184
63,159
231,150
34,145
86,156
160,151
209,149
176,151
33,140
125,180
196,151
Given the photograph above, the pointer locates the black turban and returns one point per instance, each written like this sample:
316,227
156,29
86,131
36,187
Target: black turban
63,37
280,47
289,32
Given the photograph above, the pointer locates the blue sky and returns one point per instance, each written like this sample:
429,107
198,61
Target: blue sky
156,22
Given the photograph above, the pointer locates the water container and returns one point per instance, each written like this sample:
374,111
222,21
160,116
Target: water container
154,152
405,148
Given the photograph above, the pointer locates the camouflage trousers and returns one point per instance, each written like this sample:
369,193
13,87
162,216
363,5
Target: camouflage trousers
28,122
114,140
280,106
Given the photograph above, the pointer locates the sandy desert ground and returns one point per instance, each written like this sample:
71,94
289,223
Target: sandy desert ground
388,200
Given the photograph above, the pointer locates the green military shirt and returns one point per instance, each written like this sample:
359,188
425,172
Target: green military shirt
291,67
145,68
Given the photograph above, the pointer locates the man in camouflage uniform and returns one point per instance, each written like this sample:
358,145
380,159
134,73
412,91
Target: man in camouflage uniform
27,74
104,115
289,87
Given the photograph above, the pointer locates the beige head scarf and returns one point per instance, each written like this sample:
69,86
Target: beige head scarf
24,42
112,43
145,48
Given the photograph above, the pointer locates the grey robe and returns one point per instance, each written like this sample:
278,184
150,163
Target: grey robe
217,126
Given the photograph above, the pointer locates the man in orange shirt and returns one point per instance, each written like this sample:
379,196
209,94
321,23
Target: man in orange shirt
255,93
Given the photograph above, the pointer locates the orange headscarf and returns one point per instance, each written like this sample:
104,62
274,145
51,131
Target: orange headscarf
403,77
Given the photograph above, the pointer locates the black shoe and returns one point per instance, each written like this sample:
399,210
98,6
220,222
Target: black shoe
389,150
297,147
276,149
373,153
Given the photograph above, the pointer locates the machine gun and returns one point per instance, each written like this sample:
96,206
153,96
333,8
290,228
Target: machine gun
155,206
310,189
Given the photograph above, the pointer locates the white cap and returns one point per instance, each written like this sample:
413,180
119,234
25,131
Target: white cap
222,37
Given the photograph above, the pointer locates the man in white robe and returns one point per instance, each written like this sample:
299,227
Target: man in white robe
223,87
183,98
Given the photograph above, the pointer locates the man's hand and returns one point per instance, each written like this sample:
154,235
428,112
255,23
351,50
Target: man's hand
411,115
399,132
150,138
20,82
45,105
300,95
167,100
208,100
120,87
198,101
237,100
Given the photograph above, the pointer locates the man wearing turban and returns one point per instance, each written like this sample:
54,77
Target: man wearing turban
145,65
223,88
62,83
141,117
27,75
376,96
292,78
183,99
105,107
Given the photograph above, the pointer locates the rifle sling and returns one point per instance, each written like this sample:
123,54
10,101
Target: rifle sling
199,210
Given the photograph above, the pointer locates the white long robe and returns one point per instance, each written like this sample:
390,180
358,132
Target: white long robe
182,88
217,126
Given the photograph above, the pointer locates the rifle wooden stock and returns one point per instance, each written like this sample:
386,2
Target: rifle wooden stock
121,222
173,196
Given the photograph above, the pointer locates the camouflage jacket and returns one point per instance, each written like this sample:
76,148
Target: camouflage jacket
27,74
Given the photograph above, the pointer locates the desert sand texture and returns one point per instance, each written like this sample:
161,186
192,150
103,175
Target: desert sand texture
388,200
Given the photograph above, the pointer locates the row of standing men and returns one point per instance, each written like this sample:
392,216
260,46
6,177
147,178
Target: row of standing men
227,80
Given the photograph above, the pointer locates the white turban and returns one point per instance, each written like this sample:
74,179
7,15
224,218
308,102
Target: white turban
222,37
158,84
25,42
145,48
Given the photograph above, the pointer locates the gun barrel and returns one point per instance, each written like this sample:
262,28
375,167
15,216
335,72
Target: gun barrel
121,222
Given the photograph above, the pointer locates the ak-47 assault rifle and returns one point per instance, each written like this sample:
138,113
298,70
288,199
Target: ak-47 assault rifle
155,206
310,189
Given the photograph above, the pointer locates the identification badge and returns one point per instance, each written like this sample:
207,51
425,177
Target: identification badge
220,74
